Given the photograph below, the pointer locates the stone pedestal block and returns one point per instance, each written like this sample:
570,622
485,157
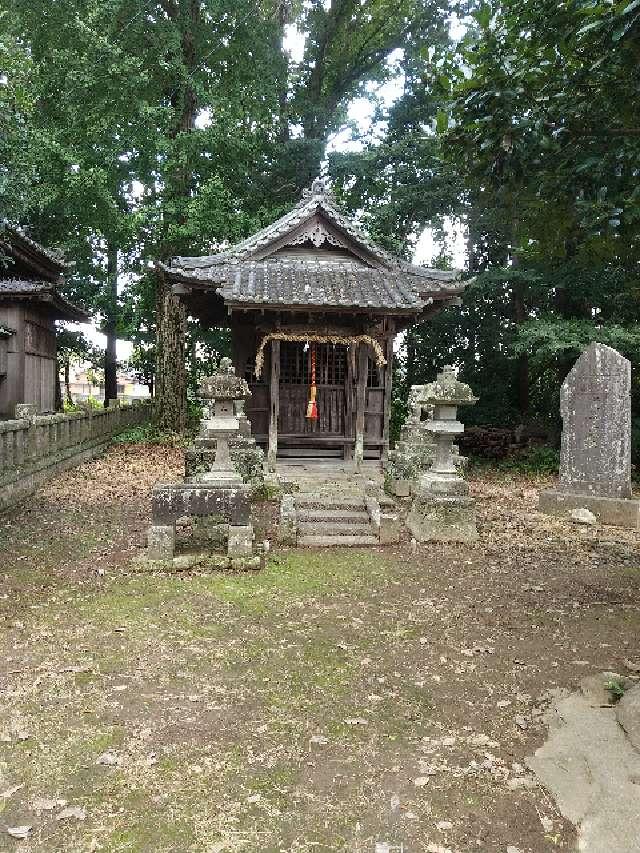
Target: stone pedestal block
402,488
443,519
161,541
390,527
619,512
288,524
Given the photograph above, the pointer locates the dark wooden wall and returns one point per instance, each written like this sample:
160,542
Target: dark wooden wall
31,359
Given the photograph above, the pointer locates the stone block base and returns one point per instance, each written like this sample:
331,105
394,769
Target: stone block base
443,519
402,488
161,542
288,524
199,562
619,512
390,528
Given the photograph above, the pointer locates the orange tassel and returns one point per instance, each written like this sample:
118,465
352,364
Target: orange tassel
312,406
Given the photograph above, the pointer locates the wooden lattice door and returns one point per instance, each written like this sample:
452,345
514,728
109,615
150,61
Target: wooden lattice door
295,380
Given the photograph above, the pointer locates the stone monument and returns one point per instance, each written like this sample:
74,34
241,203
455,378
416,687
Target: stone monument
216,497
442,510
595,454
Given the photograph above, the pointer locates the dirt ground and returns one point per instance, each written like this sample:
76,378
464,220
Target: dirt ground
337,700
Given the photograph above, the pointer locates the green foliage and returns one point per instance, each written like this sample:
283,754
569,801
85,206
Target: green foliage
535,462
149,434
526,131
131,133
250,465
615,689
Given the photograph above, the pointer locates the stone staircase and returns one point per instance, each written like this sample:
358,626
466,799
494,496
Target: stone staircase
333,506
333,520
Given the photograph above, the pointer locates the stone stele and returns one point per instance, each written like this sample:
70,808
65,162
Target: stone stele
595,455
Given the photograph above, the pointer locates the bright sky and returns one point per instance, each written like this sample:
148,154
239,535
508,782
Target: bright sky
361,113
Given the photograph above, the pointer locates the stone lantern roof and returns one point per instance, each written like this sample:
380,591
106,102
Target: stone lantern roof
224,384
447,390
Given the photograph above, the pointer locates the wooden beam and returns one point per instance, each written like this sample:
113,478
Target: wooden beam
388,391
274,406
361,392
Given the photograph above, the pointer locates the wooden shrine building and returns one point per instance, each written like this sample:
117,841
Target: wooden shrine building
314,307
30,303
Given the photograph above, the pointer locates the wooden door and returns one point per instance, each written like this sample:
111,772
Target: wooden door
295,381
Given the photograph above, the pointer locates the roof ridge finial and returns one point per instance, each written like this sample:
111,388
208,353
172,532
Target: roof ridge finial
319,186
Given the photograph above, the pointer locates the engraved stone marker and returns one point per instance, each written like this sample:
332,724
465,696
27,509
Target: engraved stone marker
595,457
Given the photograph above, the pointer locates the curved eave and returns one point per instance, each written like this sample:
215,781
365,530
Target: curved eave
315,308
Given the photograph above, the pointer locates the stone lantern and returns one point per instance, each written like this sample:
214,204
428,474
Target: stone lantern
225,443
215,496
224,394
442,509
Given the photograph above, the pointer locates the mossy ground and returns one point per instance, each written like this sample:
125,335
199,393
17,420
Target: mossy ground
334,700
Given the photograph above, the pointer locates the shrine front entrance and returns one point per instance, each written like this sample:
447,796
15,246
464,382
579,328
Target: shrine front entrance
332,434
332,390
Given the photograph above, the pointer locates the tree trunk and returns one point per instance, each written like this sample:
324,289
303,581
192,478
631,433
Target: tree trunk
171,377
284,133
522,366
171,380
518,292
67,381
110,328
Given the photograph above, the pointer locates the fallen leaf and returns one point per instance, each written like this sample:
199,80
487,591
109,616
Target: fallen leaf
19,832
76,812
41,804
109,758
5,795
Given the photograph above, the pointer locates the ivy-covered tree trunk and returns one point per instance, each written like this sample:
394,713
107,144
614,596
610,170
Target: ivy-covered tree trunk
171,381
171,378
110,328
522,381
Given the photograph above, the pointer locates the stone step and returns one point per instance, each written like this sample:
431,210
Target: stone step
332,528
350,516
311,486
337,541
330,502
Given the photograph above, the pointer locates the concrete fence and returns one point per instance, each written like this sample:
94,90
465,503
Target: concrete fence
35,447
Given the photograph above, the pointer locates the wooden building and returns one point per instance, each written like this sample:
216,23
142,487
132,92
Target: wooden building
30,303
314,307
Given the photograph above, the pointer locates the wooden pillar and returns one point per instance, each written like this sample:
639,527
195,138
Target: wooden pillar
274,406
361,396
349,398
388,390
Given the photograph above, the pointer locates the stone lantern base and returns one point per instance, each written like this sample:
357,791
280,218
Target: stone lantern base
442,510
